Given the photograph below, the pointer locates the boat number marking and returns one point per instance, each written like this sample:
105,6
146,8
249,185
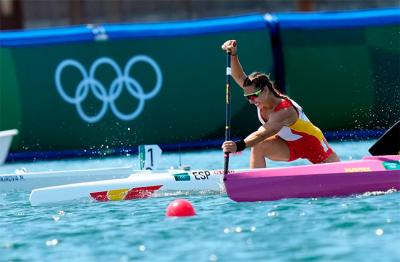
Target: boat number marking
11,178
201,175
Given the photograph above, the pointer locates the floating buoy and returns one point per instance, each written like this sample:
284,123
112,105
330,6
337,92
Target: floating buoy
180,208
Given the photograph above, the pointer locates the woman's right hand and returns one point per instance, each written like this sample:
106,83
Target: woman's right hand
229,147
230,46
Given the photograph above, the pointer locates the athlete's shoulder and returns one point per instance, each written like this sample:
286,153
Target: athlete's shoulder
285,103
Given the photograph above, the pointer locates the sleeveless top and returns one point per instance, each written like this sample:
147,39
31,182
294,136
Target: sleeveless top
301,128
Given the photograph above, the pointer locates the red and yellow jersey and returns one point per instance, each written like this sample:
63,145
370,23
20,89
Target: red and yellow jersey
304,139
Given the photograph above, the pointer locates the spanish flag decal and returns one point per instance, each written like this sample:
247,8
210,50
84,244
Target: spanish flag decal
124,193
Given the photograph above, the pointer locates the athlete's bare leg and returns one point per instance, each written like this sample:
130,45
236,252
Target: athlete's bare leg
273,148
332,158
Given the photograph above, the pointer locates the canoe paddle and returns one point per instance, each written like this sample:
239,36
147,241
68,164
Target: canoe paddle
388,143
227,109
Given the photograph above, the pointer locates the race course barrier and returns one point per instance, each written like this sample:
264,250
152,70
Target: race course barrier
105,88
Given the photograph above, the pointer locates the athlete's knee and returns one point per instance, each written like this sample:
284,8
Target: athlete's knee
332,158
335,157
261,151
256,150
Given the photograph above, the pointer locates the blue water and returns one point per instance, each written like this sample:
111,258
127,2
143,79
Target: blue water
357,228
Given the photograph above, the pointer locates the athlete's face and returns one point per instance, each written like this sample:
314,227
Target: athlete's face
253,95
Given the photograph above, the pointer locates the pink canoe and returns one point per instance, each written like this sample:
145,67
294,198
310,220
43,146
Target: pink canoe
374,173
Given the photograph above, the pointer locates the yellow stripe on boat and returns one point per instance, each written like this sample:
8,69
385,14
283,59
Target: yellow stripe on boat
117,194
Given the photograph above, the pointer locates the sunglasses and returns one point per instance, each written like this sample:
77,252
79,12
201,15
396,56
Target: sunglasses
253,95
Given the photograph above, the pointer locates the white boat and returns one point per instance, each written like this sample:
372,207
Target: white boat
30,180
5,143
23,180
136,186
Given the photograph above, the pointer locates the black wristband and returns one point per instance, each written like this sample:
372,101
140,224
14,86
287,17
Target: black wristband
240,145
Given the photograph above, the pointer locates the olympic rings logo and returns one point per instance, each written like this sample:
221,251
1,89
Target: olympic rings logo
123,79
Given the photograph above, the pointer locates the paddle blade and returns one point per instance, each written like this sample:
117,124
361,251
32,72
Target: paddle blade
388,143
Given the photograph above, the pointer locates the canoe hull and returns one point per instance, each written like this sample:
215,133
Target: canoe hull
134,187
324,180
31,180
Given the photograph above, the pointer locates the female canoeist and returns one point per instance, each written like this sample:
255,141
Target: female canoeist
286,133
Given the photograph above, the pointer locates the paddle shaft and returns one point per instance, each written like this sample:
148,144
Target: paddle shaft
227,109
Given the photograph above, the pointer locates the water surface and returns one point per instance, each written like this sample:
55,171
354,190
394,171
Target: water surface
357,228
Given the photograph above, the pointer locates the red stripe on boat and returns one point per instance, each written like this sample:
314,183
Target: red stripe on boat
100,196
141,192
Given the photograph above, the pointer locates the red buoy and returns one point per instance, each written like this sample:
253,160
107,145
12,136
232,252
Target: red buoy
180,208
